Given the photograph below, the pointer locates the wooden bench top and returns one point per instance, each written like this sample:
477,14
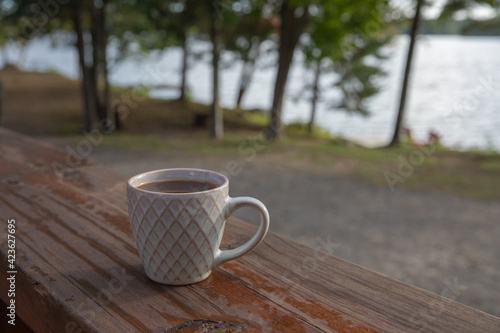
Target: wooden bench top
78,269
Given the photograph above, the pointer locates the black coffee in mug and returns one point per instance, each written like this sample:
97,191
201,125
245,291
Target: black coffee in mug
178,186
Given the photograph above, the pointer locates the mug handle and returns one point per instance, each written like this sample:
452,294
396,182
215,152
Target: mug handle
232,205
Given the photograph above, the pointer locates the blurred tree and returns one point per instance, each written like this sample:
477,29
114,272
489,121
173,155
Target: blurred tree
158,25
329,27
170,24
225,15
90,19
294,17
21,20
9,31
83,17
99,70
32,20
358,34
217,125
88,97
244,40
404,87
450,8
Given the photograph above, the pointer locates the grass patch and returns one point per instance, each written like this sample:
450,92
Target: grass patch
196,142
67,129
299,129
492,165
257,117
134,141
471,175
245,119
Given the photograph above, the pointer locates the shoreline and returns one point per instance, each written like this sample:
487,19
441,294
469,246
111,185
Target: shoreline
429,99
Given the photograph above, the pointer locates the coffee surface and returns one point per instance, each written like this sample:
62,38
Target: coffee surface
178,186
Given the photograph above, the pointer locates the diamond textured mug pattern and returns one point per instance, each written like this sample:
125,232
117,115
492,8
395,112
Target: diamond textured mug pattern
194,228
178,234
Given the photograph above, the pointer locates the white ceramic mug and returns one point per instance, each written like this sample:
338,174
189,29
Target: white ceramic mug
178,234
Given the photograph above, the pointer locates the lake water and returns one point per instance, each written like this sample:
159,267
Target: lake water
455,88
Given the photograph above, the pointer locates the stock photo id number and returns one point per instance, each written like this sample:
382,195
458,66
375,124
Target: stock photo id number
11,271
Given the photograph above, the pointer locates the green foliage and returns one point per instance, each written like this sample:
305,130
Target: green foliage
159,24
24,19
346,41
249,29
453,6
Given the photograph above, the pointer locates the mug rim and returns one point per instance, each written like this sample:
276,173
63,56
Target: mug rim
148,173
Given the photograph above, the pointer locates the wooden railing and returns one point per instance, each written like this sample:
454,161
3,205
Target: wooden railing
77,268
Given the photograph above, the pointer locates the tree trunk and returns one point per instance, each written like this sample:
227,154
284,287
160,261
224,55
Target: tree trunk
413,36
291,29
217,126
314,100
88,101
1,101
106,98
99,68
185,54
247,71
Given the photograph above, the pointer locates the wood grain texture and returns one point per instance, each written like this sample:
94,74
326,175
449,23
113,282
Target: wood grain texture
79,271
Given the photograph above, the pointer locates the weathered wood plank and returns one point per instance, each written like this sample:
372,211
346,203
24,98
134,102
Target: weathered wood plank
79,268
60,231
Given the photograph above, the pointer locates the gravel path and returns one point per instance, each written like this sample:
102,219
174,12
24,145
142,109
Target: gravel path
439,242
